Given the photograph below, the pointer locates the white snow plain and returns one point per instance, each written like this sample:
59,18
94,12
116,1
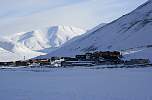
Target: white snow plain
76,84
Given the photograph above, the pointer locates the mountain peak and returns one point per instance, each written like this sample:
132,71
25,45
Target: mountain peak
36,42
49,37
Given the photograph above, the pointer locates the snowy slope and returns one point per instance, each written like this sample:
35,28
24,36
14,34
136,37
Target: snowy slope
51,37
7,56
146,53
10,51
131,30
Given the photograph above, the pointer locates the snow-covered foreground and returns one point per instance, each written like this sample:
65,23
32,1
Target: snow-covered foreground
76,84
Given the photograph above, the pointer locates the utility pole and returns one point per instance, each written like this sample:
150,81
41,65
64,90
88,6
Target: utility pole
24,58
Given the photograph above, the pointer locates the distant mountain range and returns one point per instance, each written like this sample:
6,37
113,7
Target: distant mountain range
35,43
129,31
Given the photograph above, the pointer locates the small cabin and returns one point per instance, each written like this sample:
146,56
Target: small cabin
21,63
39,61
55,58
69,59
6,63
80,57
89,56
107,55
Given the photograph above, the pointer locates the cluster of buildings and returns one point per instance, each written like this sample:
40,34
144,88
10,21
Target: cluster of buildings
95,58
87,59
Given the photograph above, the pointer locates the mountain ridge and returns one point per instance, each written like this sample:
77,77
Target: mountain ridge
130,30
48,37
35,43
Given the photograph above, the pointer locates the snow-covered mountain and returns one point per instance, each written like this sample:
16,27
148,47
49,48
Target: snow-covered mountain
35,43
51,37
131,30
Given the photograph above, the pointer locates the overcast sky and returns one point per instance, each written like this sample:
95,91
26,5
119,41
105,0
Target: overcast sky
26,15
